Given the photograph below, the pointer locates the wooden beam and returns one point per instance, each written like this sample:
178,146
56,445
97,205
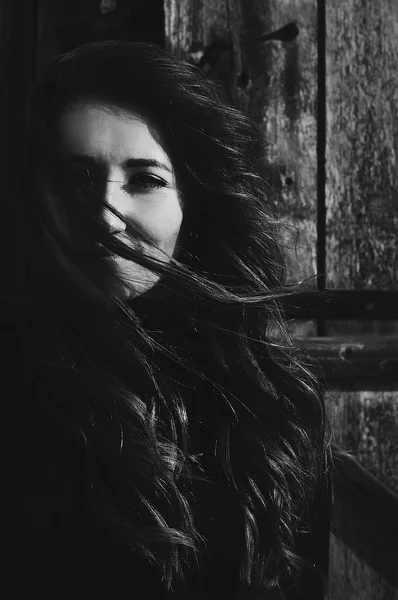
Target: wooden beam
364,516
355,362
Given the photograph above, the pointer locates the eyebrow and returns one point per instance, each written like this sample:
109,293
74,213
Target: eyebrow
126,164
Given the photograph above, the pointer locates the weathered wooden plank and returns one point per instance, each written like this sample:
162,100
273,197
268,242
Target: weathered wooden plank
265,56
362,142
362,220
355,362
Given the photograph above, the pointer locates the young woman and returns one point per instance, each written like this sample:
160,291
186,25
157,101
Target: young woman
173,446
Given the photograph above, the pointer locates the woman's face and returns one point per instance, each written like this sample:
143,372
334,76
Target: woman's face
133,173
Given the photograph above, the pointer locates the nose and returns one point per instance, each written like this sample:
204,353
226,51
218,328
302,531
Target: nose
114,197
115,225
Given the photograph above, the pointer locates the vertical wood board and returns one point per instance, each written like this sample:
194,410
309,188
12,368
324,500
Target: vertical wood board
273,81
362,225
362,143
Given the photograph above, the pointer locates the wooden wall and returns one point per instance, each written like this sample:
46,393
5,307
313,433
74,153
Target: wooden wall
267,57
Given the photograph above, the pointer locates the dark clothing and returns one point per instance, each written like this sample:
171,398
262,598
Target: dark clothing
59,546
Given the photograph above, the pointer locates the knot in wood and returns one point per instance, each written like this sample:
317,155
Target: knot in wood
348,350
389,364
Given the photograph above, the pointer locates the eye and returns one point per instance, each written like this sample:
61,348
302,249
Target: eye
146,181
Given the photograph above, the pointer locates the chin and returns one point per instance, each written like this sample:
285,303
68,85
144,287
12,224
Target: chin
140,286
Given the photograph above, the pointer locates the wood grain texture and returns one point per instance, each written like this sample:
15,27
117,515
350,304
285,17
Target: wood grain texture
274,81
367,424
362,143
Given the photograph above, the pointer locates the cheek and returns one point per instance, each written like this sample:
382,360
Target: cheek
167,224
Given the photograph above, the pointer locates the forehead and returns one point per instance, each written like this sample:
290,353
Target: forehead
108,133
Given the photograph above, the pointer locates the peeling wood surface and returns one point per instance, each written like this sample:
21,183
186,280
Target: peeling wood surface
274,81
362,144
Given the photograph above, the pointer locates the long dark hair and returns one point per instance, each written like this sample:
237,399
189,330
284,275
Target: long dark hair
212,329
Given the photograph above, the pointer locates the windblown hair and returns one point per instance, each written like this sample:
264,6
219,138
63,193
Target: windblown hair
211,331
